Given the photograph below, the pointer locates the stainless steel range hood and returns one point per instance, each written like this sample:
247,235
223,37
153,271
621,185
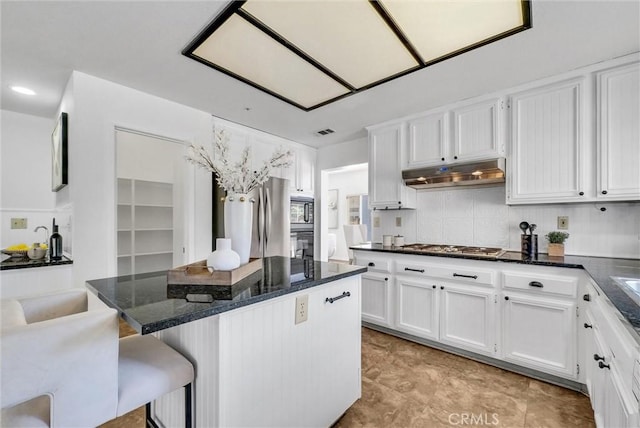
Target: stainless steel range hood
465,174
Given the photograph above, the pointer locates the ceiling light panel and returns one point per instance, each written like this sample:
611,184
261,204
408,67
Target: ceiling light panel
440,28
246,52
349,38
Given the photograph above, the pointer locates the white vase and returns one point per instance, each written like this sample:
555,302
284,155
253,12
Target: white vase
223,258
238,221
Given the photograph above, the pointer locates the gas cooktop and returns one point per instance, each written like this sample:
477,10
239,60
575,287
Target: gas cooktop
454,249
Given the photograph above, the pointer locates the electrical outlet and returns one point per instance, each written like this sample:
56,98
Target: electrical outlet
376,222
563,222
398,221
18,223
302,308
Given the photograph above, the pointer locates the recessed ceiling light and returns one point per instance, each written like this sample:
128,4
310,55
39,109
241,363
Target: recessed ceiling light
22,90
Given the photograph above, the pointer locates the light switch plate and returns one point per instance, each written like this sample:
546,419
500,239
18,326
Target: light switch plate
18,223
398,221
376,222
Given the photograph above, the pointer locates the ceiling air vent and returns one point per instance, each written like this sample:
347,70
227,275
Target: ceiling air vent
324,132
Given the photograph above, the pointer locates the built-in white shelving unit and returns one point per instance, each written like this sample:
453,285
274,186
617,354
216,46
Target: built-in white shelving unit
145,226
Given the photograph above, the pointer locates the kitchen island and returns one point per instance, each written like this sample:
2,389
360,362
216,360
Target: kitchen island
255,366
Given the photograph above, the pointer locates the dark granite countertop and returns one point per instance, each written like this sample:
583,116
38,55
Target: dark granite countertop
25,263
601,269
149,304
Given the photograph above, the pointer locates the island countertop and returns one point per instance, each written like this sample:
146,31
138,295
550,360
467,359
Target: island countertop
149,304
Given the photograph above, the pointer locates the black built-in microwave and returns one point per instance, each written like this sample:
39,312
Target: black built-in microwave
301,213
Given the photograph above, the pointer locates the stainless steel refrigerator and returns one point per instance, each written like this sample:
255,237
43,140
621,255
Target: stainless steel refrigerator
271,235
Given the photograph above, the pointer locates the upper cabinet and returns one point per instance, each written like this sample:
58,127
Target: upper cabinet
386,188
577,140
463,132
546,162
428,140
477,131
301,173
618,133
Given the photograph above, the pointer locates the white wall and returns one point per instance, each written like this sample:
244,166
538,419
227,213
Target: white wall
25,189
480,217
349,182
95,108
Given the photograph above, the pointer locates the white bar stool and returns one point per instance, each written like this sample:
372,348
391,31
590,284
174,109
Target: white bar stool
148,369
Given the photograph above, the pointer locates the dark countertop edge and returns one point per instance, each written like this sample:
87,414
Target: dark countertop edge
620,301
28,264
155,326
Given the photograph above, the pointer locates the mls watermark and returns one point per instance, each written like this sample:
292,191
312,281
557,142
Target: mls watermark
473,419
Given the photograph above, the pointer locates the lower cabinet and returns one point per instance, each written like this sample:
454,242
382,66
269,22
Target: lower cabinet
539,332
467,317
376,298
417,307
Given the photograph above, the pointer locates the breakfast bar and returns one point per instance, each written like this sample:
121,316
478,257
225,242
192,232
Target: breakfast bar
285,339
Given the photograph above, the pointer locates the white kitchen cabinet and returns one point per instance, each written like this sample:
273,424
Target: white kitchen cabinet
618,133
37,280
547,161
468,317
457,133
539,332
428,142
376,298
417,309
478,131
301,172
386,188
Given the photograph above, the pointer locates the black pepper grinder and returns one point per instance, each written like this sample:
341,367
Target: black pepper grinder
55,243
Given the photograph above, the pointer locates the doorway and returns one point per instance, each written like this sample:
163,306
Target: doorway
346,204
150,215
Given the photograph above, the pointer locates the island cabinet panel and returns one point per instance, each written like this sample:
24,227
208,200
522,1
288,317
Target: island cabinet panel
256,367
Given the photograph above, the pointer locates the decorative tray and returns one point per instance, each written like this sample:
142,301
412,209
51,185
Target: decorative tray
198,274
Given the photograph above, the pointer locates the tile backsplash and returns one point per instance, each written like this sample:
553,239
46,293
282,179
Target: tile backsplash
480,217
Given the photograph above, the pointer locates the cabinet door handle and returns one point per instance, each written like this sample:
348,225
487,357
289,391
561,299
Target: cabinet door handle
372,264
586,298
414,270
466,276
442,158
342,296
588,325
506,297
433,286
455,157
604,192
581,193
597,357
386,279
604,366
536,284
442,287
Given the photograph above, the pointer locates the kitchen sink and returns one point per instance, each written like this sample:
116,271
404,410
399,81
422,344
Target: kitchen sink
630,285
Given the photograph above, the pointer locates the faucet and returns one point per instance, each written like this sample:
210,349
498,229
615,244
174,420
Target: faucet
46,233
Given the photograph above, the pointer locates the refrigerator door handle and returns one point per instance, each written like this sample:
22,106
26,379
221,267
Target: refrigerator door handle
267,227
260,218
306,213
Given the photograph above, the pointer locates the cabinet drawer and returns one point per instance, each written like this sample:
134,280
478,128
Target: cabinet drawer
374,264
541,284
451,273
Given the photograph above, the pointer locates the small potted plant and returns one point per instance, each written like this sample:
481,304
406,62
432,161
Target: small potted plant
556,243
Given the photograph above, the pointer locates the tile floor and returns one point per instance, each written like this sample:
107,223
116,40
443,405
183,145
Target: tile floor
409,385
